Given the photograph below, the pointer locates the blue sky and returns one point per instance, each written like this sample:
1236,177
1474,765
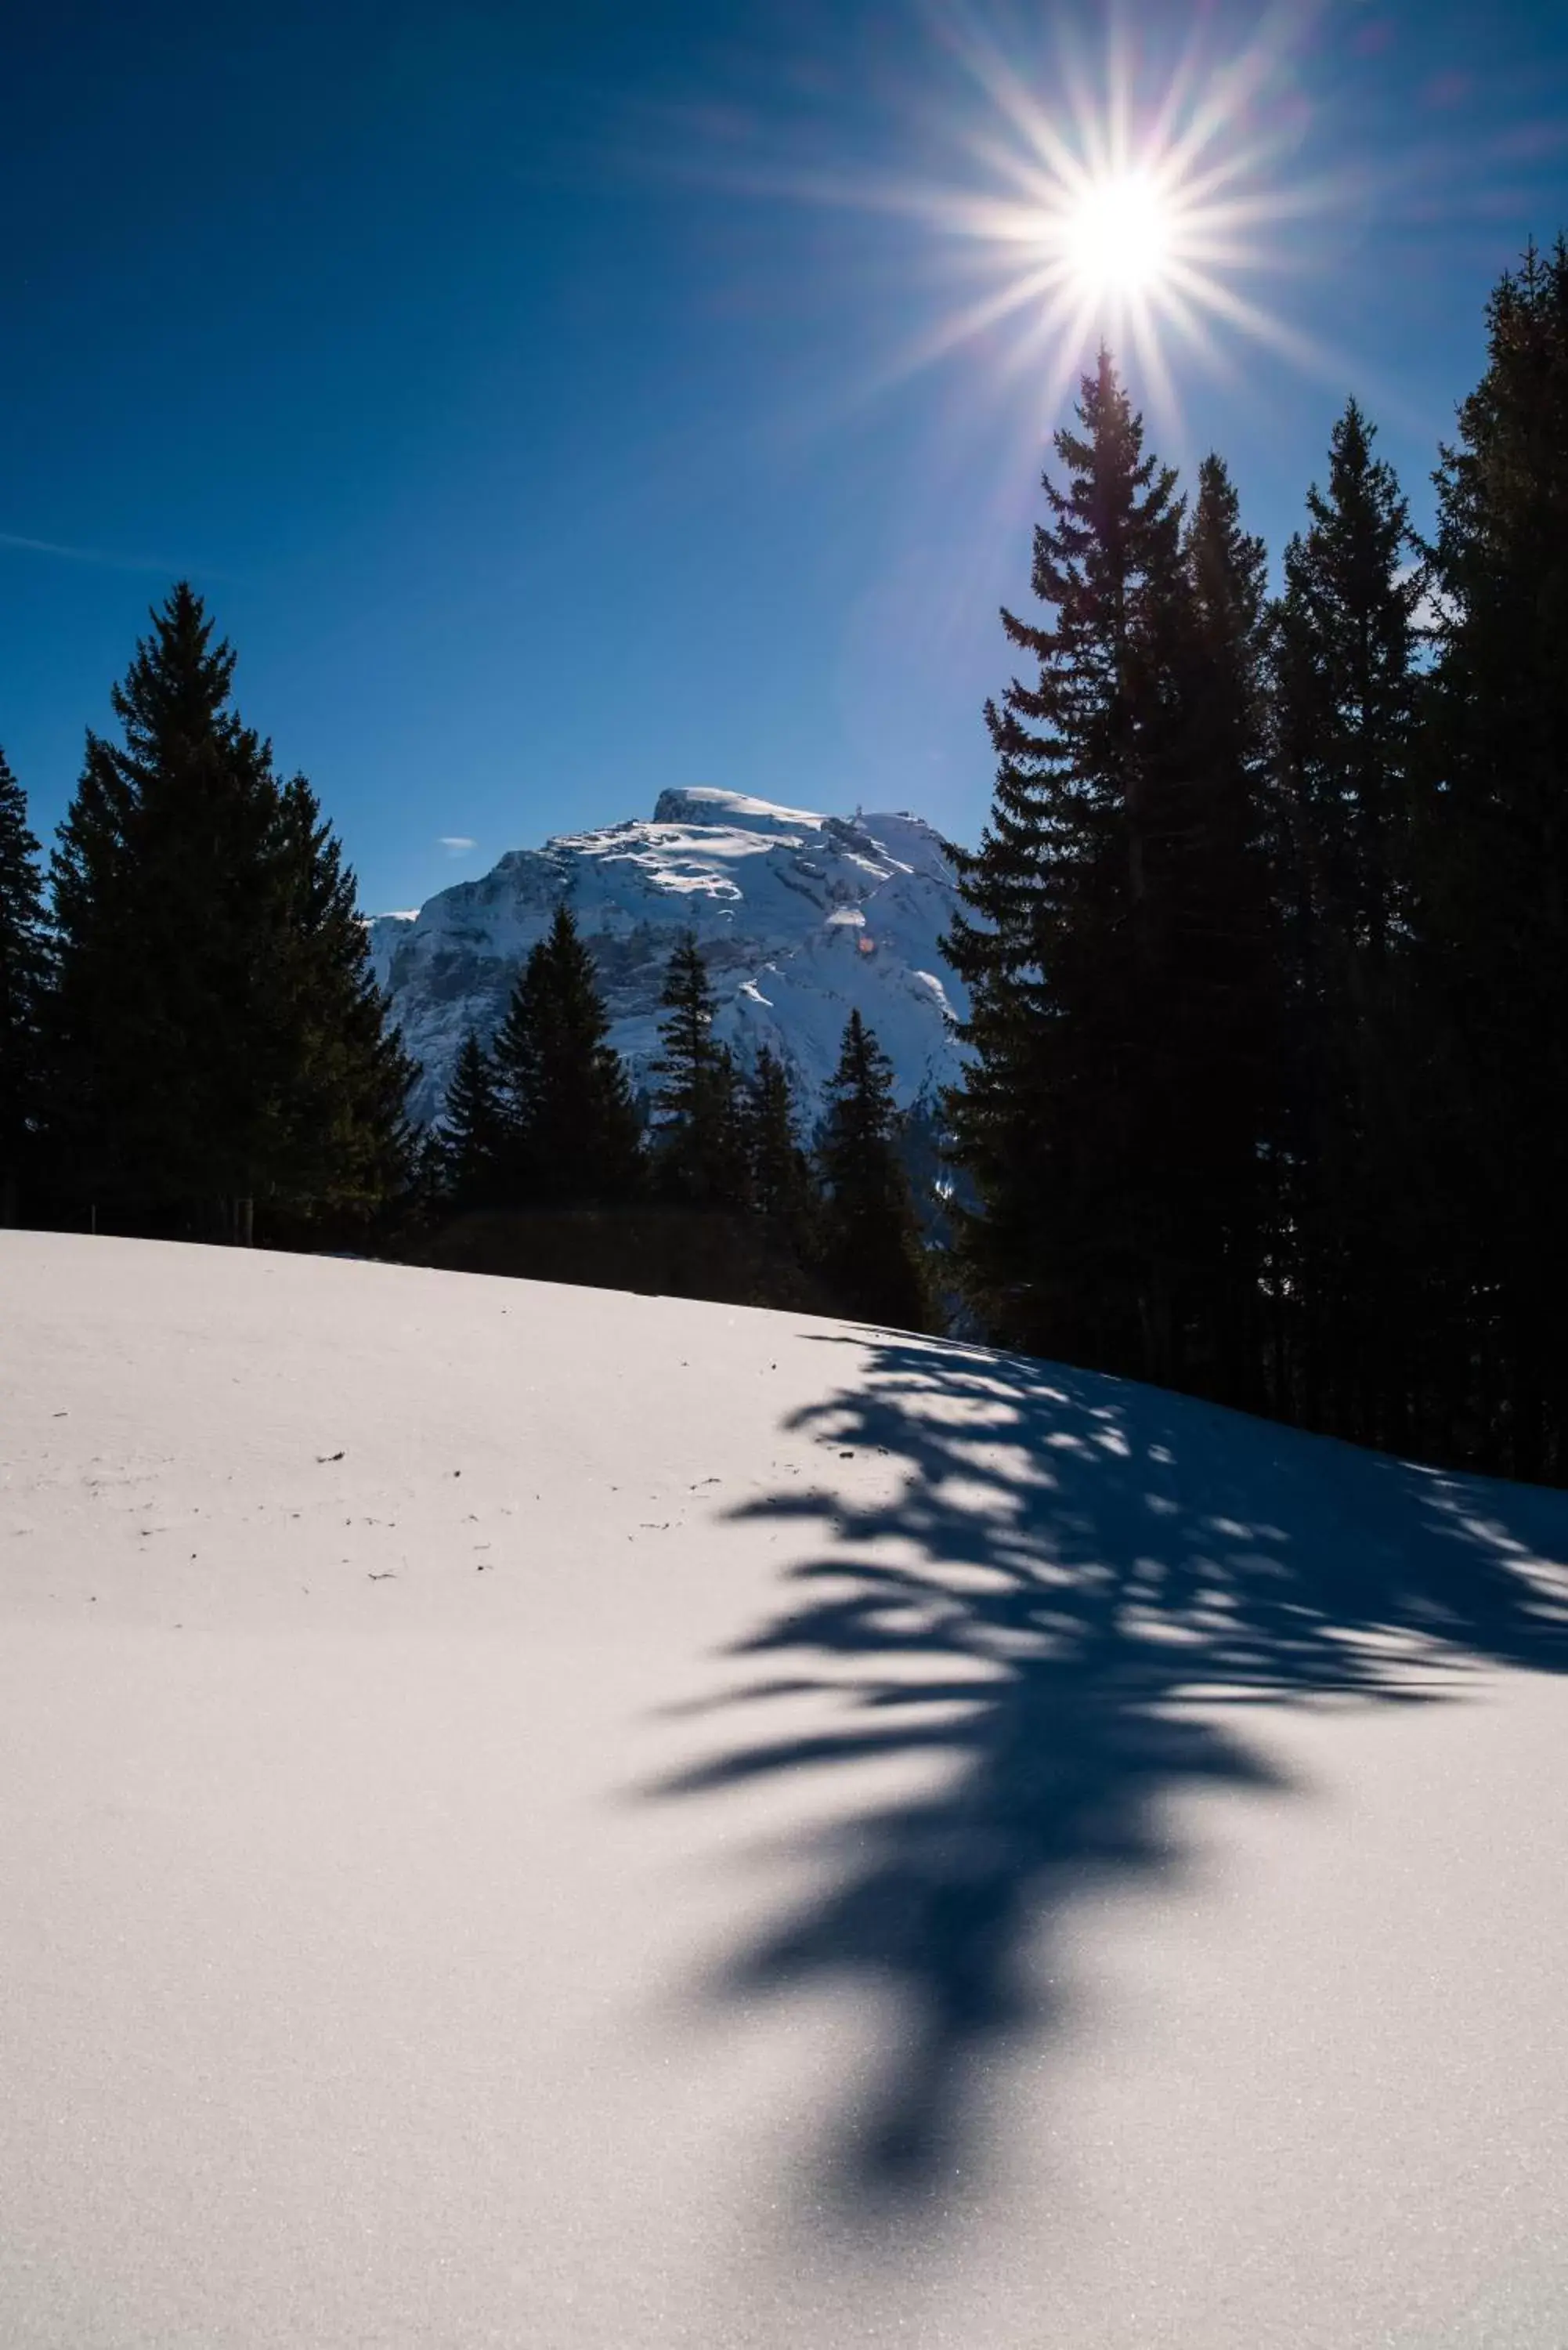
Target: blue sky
544,396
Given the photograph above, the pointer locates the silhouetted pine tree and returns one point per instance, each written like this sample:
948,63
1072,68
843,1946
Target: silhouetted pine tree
1344,706
1495,916
573,1137
779,1179
23,966
474,1137
217,1036
340,1076
1062,1117
871,1244
1218,987
699,1151
161,931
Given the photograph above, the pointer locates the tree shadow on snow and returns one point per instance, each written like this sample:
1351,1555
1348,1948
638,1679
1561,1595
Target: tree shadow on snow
1068,1595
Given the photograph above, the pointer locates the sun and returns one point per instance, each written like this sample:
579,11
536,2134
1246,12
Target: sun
1118,234
1124,199
1119,200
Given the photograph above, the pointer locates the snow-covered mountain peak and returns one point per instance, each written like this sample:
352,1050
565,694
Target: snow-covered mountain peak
801,915
703,804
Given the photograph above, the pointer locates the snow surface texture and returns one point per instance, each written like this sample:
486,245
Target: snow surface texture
536,1817
801,917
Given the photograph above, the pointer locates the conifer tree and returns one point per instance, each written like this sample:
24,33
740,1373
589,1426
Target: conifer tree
870,1243
1218,989
24,964
1345,713
778,1171
473,1132
161,929
572,1130
340,1076
217,1034
1494,915
1346,635
1061,1120
698,1144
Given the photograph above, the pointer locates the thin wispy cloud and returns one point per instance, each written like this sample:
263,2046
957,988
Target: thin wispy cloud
456,843
104,557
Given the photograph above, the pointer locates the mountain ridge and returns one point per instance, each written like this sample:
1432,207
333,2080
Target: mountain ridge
802,915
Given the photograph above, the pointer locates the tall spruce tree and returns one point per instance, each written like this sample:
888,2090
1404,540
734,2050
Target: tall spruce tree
1345,701
572,1131
870,1243
1062,1117
473,1132
1346,665
340,1076
779,1181
161,931
1494,915
698,1148
1218,991
217,1034
23,965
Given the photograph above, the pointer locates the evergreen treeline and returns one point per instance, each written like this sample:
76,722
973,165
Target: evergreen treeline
191,1037
1267,937
544,1118
189,1025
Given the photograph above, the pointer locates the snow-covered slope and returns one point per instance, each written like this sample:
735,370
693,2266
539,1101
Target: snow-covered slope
801,917
536,1817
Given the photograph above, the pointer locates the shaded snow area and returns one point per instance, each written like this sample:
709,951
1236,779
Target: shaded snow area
536,1817
802,918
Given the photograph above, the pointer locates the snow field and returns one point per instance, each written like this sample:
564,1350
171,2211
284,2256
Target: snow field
534,1816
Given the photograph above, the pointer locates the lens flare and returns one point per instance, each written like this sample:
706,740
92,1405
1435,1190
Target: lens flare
1127,200
1124,196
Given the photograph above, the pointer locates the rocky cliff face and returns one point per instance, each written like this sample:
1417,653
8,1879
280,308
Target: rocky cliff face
801,917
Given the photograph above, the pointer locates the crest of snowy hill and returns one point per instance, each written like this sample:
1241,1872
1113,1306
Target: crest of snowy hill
801,918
